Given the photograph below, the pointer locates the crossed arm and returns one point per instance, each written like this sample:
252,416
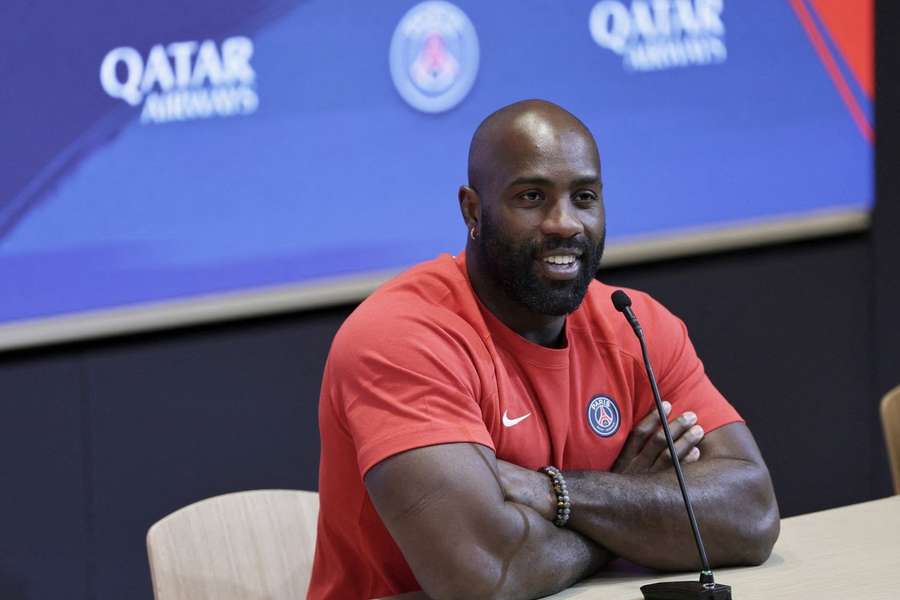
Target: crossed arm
444,507
471,525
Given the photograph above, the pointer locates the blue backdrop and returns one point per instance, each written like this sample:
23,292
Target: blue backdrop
159,151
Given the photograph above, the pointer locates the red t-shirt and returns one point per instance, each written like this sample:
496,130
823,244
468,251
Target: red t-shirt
423,362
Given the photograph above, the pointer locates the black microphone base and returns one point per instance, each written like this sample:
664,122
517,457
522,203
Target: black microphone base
685,590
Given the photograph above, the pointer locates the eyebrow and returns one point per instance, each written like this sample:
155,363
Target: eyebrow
544,181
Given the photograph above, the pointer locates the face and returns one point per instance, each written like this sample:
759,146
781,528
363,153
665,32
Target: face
542,228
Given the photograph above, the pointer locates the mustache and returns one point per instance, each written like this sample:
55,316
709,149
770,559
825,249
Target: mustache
579,243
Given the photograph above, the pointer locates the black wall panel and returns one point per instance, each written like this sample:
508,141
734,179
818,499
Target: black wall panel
886,229
45,519
195,415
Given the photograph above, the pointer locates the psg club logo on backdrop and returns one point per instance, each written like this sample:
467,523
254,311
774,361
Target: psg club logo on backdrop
603,416
434,56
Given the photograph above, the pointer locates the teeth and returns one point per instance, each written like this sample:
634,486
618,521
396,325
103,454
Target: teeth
560,260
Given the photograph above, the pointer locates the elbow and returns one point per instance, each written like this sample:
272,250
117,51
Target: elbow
473,573
762,538
747,543
458,591
749,534
494,564
767,533
450,587
762,530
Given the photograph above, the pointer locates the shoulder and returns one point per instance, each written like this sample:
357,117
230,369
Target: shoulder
679,371
430,306
661,327
599,299
419,336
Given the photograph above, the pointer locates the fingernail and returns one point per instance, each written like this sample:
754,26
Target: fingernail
689,418
696,431
667,407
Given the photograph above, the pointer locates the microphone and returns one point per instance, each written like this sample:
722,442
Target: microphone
706,588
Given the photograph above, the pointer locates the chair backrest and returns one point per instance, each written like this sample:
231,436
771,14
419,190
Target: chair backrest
250,545
890,420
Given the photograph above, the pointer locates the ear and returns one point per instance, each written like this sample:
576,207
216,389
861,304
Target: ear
470,206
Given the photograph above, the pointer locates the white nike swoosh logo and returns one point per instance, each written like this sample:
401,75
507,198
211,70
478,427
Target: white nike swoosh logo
507,422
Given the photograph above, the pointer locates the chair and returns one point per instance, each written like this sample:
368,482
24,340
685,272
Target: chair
253,545
890,420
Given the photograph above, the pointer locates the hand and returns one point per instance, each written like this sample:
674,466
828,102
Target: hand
646,451
529,488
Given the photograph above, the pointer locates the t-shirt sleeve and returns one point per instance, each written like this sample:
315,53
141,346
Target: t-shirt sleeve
400,382
680,373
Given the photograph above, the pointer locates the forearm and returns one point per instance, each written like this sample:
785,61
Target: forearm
523,556
642,517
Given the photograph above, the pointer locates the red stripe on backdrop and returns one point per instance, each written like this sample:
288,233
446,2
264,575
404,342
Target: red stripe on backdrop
833,70
851,25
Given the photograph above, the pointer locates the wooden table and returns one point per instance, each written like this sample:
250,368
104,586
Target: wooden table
848,553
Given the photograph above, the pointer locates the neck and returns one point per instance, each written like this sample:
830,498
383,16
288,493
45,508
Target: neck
545,330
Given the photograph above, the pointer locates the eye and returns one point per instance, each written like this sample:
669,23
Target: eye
530,197
585,198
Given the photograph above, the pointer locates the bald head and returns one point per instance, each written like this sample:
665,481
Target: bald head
522,133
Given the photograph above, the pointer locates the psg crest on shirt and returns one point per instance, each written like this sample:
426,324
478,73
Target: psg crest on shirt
603,416
434,56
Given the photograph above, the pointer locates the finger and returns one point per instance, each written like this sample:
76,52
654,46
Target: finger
680,429
684,445
692,456
652,453
638,437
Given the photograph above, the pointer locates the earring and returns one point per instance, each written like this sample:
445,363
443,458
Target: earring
472,233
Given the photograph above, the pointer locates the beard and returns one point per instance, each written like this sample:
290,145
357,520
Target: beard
512,265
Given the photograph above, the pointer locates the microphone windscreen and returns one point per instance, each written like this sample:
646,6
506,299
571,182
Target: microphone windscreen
620,300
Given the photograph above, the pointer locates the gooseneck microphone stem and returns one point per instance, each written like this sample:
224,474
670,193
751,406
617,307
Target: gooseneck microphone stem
707,571
706,588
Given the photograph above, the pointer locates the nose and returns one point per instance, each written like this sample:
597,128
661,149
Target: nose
561,219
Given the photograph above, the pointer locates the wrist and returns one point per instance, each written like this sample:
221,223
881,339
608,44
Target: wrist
562,506
541,495
547,497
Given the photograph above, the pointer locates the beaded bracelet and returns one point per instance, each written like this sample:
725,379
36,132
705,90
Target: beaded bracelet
563,506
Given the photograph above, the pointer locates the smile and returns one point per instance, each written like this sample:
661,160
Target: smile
561,259
560,267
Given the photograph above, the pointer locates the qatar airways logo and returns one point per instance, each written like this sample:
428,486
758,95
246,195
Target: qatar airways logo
654,35
184,80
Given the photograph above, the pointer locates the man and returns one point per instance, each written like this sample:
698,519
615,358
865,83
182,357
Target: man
449,387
